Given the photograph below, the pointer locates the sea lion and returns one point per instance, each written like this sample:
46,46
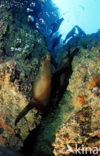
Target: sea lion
41,89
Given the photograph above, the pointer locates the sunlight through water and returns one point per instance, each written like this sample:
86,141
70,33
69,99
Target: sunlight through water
85,13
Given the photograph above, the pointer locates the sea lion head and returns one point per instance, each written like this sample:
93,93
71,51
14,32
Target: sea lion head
45,60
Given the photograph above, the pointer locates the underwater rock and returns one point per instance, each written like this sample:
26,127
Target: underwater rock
16,35
3,29
26,47
12,101
82,127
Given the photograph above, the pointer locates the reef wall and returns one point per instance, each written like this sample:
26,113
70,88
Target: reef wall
21,50
82,127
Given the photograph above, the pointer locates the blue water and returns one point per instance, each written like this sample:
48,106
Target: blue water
85,13
44,14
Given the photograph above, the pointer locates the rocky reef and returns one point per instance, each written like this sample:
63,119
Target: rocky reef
82,127
21,49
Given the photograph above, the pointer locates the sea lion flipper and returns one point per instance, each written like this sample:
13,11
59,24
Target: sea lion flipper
24,111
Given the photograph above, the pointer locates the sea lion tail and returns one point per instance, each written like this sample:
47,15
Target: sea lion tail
24,111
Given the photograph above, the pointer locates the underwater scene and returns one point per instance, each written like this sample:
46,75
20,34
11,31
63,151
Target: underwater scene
49,77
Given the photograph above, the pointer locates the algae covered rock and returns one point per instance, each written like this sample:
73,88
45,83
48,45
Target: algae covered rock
12,101
21,50
16,35
82,127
